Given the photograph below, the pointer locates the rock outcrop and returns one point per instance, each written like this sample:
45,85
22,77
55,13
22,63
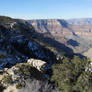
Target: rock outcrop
36,63
19,73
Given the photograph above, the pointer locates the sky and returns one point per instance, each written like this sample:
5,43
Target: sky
46,9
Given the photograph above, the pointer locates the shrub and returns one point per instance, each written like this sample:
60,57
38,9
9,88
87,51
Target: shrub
38,86
18,86
24,69
1,88
7,79
28,71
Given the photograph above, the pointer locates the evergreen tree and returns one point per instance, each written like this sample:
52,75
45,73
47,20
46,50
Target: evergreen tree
73,75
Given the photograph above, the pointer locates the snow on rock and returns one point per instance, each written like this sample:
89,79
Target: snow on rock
20,39
28,46
12,24
32,45
36,49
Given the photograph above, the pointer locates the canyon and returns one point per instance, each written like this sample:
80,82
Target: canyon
36,45
61,27
74,33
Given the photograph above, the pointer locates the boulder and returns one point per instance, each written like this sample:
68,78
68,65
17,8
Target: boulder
36,63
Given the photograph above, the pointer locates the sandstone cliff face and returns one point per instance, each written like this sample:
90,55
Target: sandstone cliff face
60,28
80,21
82,30
62,31
52,28
82,27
